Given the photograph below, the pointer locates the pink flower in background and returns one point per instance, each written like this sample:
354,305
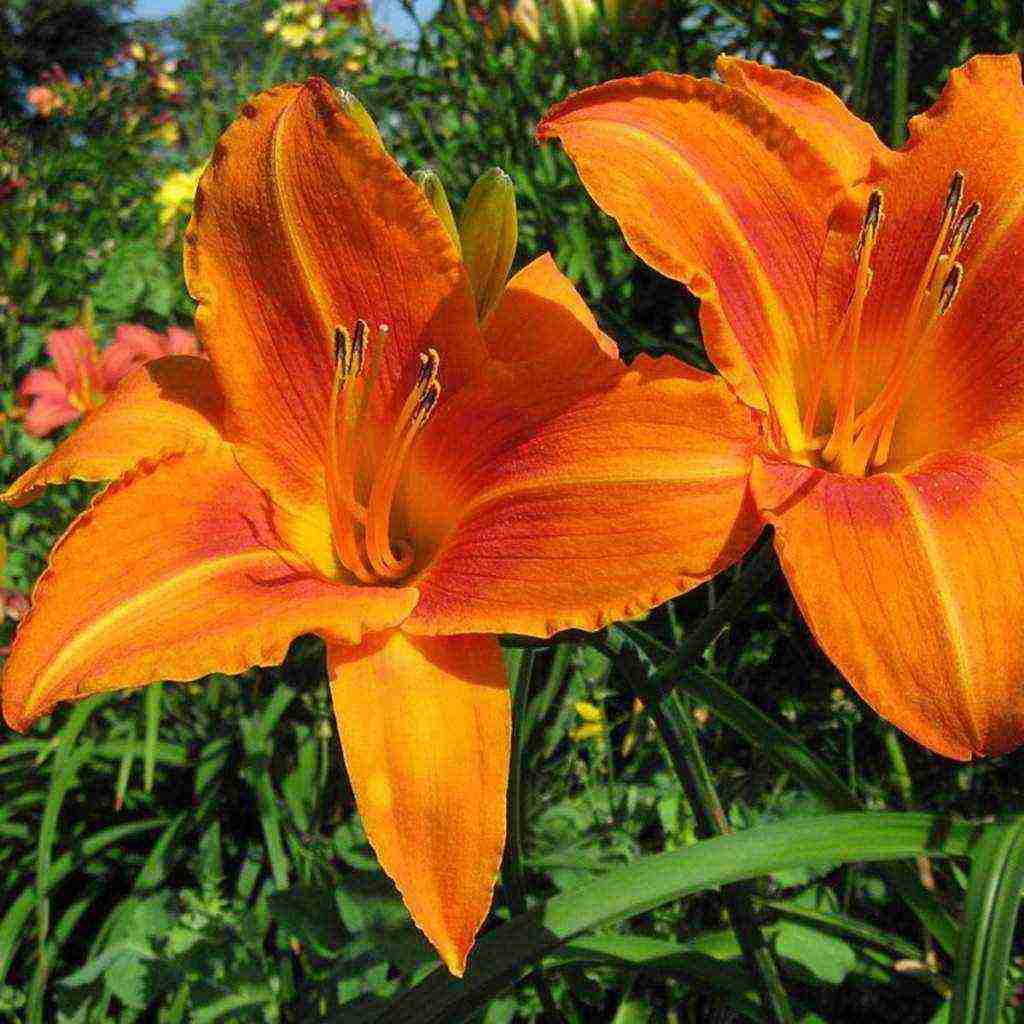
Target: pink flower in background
134,345
349,9
78,381
82,376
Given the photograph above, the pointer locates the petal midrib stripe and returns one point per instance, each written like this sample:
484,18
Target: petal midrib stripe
82,637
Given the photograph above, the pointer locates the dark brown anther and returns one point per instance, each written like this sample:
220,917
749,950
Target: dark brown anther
358,357
955,193
965,225
341,346
950,287
872,222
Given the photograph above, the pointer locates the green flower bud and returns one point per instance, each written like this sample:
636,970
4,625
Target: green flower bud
488,228
432,188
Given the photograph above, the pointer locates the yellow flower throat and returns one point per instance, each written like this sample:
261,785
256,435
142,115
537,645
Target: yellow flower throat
861,441
361,529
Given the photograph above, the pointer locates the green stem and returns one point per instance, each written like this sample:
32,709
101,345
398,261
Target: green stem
680,739
900,72
865,53
512,880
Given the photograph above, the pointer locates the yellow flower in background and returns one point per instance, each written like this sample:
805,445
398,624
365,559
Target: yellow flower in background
294,34
271,26
168,133
176,193
592,724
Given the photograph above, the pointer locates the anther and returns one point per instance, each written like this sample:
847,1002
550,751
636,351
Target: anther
950,287
871,225
964,227
428,402
341,347
429,363
358,358
955,193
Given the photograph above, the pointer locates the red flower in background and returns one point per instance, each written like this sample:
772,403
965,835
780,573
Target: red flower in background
82,376
10,187
134,345
350,9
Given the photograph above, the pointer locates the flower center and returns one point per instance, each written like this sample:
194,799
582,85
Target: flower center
861,440
361,526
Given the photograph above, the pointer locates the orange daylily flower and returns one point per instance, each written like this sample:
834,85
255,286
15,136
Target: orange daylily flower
866,304
362,460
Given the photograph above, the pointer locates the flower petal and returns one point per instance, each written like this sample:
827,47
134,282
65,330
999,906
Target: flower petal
713,189
425,726
74,357
542,318
812,110
581,501
914,586
167,407
300,224
46,399
174,572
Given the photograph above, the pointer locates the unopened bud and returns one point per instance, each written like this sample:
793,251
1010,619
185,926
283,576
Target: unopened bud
489,230
432,188
355,110
576,19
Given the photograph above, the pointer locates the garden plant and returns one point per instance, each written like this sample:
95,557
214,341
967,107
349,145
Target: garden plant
511,512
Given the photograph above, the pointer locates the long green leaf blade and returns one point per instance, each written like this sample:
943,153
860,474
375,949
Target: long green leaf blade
501,955
986,935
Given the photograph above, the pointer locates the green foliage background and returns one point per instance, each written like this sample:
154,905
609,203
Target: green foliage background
190,853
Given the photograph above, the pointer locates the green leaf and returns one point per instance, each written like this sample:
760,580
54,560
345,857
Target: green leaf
986,933
311,916
501,955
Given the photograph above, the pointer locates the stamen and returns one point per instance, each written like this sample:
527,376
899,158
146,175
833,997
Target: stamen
842,431
386,562
867,438
341,502
868,235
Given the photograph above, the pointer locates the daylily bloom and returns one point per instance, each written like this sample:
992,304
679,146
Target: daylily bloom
361,459
134,345
866,305
79,381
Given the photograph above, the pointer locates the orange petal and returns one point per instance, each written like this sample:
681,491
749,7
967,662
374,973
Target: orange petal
812,110
583,500
425,726
713,189
300,224
174,572
969,390
541,317
914,586
170,406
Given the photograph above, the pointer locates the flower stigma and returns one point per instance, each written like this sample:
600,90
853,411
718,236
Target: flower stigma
860,441
361,528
